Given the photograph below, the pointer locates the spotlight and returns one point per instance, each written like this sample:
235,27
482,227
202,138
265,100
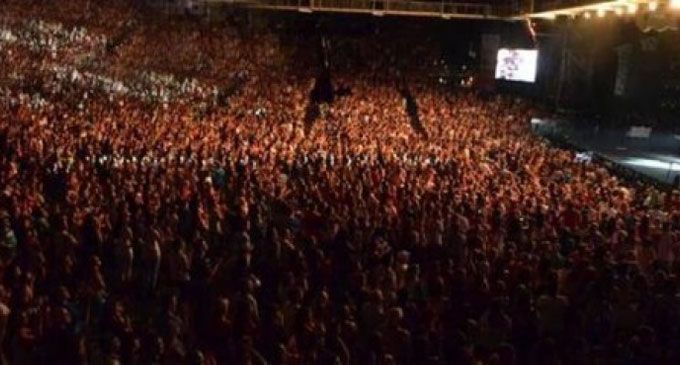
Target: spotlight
632,8
601,13
586,15
653,5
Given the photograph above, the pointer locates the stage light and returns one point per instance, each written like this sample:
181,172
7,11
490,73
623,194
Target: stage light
618,11
675,4
653,5
586,15
632,8
601,13
651,164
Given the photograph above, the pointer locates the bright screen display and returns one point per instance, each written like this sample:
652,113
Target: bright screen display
516,64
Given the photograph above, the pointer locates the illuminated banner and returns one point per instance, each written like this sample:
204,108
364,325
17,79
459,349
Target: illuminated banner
624,54
656,21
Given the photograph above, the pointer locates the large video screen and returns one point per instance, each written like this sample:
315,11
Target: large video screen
516,64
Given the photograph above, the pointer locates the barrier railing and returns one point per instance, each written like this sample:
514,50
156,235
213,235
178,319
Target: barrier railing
379,7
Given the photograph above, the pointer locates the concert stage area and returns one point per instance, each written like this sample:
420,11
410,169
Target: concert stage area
640,150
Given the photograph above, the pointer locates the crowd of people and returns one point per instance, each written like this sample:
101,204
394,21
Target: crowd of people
150,216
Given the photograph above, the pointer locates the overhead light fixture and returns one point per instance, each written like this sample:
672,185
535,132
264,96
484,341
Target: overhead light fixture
653,5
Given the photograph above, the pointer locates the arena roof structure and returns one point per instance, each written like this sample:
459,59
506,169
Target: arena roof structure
603,8
437,9
496,10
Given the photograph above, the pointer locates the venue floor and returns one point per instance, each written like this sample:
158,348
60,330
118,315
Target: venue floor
661,167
